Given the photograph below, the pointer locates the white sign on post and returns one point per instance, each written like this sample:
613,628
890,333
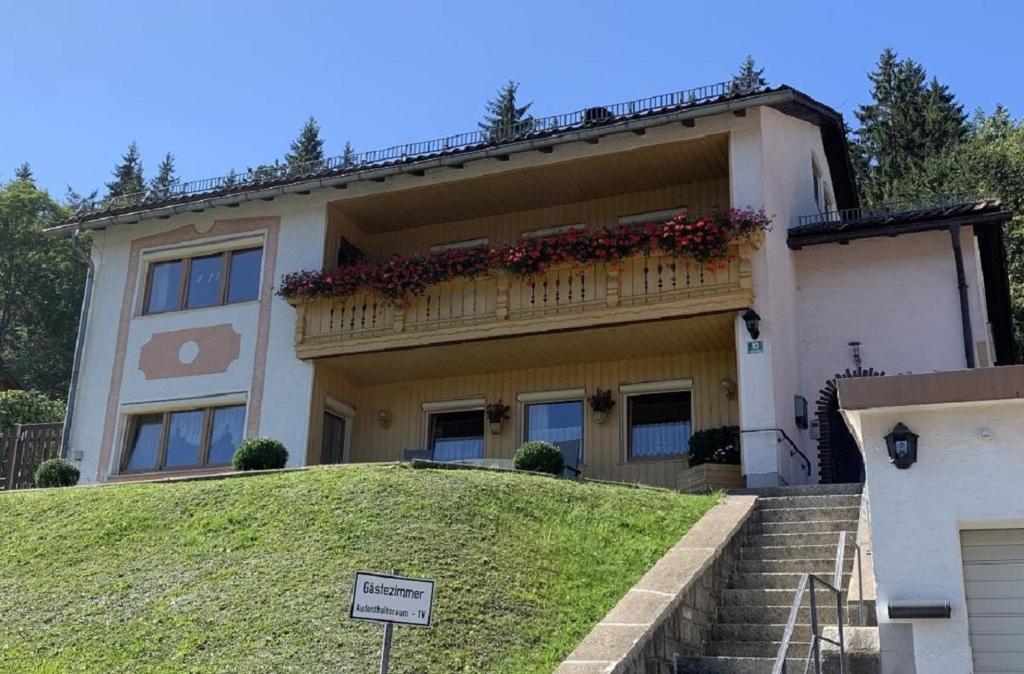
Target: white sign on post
392,599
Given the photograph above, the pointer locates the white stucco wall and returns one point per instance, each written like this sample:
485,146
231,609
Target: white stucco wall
897,296
287,380
960,481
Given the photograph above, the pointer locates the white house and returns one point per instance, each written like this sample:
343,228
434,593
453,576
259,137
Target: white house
188,347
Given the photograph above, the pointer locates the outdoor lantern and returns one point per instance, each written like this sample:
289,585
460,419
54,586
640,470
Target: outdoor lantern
902,445
753,322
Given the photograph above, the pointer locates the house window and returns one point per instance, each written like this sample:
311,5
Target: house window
651,216
460,245
179,439
559,423
553,231
659,420
456,435
203,281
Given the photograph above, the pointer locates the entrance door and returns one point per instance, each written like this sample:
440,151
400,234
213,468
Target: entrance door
994,585
333,447
847,461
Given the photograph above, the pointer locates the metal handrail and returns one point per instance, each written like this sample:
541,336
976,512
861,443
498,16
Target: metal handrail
785,436
351,162
808,583
844,541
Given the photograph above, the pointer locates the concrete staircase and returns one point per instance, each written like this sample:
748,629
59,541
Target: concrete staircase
793,530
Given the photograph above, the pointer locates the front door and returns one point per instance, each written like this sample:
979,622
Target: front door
333,449
847,461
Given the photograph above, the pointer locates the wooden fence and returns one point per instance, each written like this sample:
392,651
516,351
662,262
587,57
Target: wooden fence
23,448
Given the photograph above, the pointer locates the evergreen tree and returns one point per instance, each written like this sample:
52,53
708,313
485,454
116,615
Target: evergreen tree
504,111
24,172
348,155
749,76
79,203
128,177
308,147
907,122
231,179
165,177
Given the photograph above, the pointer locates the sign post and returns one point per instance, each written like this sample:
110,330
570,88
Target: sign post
392,600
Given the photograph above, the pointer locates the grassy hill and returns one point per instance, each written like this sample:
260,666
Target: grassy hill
254,574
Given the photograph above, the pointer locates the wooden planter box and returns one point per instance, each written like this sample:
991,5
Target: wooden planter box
708,477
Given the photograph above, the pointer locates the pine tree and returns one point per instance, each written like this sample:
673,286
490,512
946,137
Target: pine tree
128,177
24,172
348,155
749,76
907,122
230,180
80,203
308,147
165,178
504,117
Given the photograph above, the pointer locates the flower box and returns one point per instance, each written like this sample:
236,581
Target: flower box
709,477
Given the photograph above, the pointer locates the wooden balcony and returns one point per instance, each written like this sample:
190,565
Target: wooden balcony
641,288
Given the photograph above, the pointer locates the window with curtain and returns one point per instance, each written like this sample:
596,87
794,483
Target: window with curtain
181,439
658,424
561,424
203,281
459,435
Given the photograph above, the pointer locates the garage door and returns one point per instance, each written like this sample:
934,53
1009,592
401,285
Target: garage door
994,580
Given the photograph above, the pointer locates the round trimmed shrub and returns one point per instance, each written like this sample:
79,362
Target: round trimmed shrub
260,454
56,473
539,457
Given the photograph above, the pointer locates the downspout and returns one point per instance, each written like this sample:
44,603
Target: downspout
965,308
76,365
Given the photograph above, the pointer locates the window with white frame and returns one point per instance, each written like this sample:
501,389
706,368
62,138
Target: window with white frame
651,216
460,245
658,419
541,232
455,429
182,438
555,417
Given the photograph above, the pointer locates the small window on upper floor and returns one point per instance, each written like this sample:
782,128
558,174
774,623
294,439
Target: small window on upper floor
553,231
649,217
203,281
459,245
816,177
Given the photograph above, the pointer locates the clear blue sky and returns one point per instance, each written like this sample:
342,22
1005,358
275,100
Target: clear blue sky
228,84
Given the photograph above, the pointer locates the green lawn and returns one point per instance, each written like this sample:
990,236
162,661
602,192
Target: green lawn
253,574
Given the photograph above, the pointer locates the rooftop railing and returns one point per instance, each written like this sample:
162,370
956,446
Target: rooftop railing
889,208
353,162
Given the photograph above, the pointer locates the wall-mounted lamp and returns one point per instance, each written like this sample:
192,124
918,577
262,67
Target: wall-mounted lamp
902,445
753,322
855,352
729,386
383,418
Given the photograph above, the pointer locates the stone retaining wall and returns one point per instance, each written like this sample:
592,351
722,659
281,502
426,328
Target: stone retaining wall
669,613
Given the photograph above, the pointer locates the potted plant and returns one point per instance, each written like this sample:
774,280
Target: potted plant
713,459
497,413
600,402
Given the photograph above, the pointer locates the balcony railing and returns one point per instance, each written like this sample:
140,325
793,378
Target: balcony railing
892,209
645,286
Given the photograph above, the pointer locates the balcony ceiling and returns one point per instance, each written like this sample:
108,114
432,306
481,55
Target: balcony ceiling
712,332
565,179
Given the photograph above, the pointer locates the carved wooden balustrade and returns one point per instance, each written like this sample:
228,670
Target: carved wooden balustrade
644,287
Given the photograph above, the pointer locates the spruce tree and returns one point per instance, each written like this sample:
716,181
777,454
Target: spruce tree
308,147
165,177
908,121
504,111
128,177
749,76
24,172
348,155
